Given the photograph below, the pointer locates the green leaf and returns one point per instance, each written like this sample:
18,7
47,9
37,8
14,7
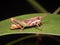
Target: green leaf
50,25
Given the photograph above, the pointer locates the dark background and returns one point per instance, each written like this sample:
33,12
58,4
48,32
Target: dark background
45,40
19,7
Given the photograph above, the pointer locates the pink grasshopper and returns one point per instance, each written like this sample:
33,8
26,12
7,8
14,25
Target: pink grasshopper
36,21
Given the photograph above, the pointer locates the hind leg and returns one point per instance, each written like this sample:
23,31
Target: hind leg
21,29
13,20
15,26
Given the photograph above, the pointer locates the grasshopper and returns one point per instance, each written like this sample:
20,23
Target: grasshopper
35,21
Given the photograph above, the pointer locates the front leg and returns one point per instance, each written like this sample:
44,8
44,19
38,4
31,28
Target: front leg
38,26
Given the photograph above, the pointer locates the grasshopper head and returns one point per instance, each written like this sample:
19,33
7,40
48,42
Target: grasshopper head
39,17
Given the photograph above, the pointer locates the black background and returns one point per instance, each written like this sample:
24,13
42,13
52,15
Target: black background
19,7
45,40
